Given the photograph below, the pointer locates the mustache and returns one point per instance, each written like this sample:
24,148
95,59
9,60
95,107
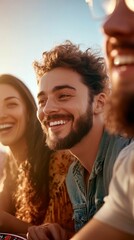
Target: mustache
118,43
123,44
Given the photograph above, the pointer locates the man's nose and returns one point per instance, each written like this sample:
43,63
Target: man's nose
120,22
51,106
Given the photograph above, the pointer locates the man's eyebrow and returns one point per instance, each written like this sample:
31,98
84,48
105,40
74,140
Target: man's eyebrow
62,87
40,94
57,88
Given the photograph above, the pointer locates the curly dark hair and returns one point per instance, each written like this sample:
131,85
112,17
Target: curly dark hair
32,195
87,63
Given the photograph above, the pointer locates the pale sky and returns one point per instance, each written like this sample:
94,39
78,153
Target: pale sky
29,27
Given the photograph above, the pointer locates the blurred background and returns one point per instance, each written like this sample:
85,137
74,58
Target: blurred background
29,27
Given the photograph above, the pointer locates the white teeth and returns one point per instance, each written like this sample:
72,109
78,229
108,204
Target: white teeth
61,122
122,60
3,126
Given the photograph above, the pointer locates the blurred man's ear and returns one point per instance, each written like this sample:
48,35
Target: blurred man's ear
99,103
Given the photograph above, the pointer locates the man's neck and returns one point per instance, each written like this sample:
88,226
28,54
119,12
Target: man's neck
86,150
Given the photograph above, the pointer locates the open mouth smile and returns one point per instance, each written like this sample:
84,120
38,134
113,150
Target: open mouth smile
5,126
57,123
123,60
56,120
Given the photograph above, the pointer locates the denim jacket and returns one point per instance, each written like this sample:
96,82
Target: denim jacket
86,200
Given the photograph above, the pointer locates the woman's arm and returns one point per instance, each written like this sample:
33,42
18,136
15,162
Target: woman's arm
9,223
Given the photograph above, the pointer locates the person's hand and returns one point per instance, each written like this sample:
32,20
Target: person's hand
48,231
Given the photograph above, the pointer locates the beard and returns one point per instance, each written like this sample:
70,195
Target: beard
82,127
119,115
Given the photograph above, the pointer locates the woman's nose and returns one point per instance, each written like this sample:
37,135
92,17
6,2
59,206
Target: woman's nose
3,113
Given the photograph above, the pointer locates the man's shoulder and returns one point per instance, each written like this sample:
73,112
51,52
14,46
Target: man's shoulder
119,141
124,166
116,145
117,137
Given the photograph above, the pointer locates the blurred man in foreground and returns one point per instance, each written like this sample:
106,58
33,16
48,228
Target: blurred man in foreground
115,220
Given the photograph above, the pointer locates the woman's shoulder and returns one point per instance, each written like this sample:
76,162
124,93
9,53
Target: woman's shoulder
58,168
61,161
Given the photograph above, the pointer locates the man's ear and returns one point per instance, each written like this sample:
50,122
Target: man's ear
99,103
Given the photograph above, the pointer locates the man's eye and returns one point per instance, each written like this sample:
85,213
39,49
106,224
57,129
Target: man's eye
64,96
41,102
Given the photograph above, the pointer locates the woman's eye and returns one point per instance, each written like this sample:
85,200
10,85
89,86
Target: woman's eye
13,104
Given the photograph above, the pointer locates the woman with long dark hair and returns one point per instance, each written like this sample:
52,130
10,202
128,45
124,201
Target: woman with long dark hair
32,187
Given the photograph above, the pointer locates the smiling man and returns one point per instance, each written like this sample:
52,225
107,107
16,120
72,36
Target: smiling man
63,112
72,92
64,126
